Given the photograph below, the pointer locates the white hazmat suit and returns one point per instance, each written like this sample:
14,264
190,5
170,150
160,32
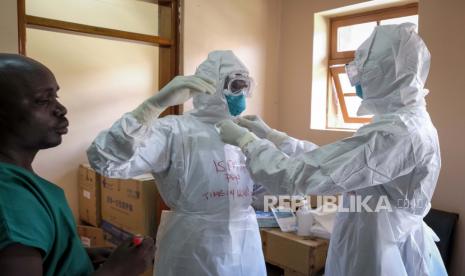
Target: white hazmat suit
213,230
395,157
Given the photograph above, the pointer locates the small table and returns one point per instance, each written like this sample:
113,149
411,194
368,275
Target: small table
296,255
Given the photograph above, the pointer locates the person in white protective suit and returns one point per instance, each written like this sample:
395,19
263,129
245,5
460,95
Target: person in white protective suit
213,230
396,157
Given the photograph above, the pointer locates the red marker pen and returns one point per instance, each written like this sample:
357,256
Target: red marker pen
137,240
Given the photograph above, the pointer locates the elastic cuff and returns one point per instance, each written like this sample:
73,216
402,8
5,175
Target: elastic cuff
277,137
146,112
246,139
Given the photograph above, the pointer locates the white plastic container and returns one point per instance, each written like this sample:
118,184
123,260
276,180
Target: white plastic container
304,220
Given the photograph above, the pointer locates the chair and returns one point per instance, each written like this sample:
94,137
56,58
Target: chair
443,223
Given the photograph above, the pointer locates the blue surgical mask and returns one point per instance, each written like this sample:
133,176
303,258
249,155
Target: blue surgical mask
358,91
236,104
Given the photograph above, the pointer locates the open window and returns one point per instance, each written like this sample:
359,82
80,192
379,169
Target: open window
347,33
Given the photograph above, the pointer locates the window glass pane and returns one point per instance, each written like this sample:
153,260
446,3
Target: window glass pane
412,19
345,84
124,15
352,104
350,37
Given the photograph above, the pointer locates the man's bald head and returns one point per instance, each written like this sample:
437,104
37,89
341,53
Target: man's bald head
12,61
29,110
16,73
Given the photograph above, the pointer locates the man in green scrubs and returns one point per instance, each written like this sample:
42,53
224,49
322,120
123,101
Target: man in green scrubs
37,229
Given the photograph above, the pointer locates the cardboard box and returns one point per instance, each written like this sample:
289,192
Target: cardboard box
296,255
91,236
89,195
130,204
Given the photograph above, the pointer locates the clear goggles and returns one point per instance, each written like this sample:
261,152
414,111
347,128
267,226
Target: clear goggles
237,84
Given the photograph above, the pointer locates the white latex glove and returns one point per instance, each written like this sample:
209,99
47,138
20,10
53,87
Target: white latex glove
261,129
233,134
254,124
182,88
177,91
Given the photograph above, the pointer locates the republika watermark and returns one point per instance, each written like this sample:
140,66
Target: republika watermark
348,203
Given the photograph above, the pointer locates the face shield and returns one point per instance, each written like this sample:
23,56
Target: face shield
355,69
237,84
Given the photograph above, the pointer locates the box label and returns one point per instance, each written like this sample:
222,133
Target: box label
119,204
85,242
86,194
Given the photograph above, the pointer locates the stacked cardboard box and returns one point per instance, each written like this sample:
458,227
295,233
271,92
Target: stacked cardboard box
89,196
91,236
129,204
116,209
128,208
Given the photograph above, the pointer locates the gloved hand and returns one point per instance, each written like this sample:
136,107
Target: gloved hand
254,124
177,91
233,134
181,89
261,129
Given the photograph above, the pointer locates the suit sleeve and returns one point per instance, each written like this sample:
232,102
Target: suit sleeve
129,148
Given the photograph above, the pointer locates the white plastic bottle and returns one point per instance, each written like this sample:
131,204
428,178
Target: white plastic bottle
304,220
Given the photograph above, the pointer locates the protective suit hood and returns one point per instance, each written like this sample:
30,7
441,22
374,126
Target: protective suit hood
217,66
392,64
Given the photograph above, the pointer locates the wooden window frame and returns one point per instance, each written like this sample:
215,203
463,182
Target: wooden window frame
336,58
169,19
335,71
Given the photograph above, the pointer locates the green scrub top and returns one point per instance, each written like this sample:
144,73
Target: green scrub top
34,212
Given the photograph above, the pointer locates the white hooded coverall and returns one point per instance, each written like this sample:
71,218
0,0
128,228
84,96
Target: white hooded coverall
213,230
396,156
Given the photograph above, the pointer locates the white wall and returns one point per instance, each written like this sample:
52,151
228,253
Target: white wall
251,30
8,27
441,26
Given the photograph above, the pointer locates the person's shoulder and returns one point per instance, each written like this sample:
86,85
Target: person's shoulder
20,189
16,178
392,125
12,179
170,119
24,218
176,124
416,125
